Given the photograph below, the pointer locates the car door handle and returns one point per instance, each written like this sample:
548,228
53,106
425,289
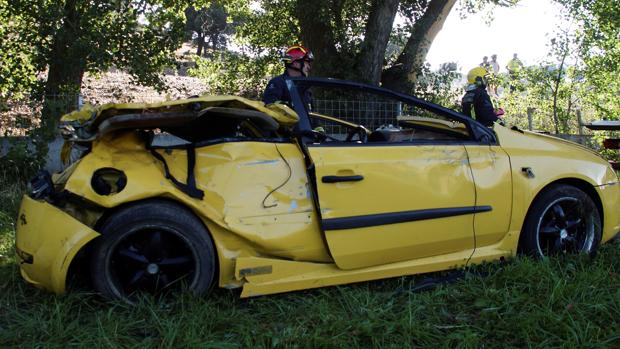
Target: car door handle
336,179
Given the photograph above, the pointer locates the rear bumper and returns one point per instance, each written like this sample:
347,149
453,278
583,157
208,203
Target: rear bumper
46,241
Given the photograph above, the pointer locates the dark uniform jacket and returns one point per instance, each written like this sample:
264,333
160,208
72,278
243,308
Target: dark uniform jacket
276,91
478,97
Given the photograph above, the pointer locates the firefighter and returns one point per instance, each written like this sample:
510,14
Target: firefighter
476,101
514,67
297,63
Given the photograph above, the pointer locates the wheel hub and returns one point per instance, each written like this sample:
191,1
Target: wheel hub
563,234
152,268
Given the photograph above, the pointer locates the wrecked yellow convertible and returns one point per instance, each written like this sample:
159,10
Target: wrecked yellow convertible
226,191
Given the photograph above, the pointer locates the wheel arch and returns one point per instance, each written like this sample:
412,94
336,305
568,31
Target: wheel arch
580,184
80,264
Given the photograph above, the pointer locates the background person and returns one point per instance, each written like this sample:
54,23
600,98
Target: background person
494,65
514,67
485,63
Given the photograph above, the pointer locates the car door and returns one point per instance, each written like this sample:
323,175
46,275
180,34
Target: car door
389,203
492,174
404,192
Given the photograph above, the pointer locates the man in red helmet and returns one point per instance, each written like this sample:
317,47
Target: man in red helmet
297,62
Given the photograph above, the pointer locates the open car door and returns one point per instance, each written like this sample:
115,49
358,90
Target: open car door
400,194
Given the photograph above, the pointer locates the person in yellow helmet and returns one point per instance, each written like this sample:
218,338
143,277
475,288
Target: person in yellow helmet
513,67
476,98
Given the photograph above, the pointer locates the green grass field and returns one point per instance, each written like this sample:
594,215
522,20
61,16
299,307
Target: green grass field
564,302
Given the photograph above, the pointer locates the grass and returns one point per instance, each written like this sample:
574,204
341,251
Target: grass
564,302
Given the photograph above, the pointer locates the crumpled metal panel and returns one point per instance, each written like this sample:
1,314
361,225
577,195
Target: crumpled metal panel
52,238
256,203
84,121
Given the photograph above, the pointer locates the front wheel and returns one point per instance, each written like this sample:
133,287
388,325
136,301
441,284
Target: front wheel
563,219
152,247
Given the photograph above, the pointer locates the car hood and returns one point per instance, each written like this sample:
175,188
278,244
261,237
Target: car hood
558,156
540,139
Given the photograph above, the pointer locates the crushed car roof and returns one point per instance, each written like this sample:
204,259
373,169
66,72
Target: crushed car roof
90,122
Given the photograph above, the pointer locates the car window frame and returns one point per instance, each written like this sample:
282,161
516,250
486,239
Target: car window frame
479,134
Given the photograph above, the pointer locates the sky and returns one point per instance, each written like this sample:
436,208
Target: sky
523,29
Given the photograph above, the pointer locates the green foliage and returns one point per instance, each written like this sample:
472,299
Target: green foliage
22,161
535,88
235,73
438,86
17,71
84,36
580,76
268,29
599,49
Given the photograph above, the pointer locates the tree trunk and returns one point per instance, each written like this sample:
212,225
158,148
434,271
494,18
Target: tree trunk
378,29
401,76
200,41
556,91
66,70
317,35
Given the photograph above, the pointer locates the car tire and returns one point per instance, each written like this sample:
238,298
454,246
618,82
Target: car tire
152,247
563,219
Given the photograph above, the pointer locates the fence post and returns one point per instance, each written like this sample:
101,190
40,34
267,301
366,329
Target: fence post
530,116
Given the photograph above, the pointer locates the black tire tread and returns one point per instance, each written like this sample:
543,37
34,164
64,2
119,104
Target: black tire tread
146,213
528,239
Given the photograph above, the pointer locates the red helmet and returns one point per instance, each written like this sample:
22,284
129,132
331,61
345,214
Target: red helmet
296,53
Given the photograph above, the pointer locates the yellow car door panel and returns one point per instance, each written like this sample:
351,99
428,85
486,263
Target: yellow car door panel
492,173
388,203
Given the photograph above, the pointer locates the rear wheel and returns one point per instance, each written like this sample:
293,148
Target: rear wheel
563,219
152,247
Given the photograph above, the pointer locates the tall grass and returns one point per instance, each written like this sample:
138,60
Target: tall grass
564,302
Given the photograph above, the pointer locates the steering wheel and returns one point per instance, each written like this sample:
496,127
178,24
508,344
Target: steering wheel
360,131
322,137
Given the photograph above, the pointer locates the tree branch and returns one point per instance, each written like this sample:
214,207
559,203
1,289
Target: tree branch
403,73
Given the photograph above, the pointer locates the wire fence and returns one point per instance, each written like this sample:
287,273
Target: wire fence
18,116
369,113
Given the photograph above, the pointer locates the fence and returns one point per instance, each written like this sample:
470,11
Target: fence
371,114
18,116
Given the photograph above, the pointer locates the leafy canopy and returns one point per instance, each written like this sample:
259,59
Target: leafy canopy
139,36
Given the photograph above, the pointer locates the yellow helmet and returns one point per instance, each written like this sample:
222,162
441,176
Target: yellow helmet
477,74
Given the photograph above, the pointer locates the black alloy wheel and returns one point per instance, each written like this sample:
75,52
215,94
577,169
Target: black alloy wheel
152,259
563,219
152,247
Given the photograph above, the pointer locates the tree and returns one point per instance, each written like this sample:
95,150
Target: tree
76,36
424,29
17,72
350,39
599,50
580,78
208,26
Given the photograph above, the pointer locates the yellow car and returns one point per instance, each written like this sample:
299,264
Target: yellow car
225,191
